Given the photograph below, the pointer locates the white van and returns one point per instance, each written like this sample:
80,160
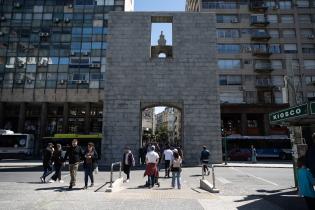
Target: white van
16,145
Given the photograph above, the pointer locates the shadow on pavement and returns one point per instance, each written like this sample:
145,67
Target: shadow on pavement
57,189
287,200
31,183
195,175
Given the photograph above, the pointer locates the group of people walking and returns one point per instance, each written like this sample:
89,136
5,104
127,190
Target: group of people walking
54,160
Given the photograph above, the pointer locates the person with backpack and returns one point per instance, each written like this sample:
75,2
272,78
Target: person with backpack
176,169
127,162
204,159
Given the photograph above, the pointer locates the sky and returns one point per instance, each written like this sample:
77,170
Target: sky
160,5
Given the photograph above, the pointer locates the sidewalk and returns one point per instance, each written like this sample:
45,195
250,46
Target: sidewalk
36,163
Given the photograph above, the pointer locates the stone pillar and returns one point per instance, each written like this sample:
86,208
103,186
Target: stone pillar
65,117
244,124
1,115
87,120
43,119
266,124
21,117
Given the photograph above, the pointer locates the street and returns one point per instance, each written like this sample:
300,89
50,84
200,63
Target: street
242,188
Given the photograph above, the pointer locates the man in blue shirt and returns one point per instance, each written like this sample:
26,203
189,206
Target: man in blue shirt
204,159
306,182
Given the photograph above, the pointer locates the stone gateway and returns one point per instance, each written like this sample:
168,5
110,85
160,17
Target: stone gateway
185,78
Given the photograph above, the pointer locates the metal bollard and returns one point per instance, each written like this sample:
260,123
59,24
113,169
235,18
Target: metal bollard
213,177
111,172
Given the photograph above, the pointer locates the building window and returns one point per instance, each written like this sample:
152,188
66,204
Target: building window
228,33
308,48
228,48
285,5
309,64
272,18
229,64
227,19
274,33
289,48
275,48
305,19
276,64
230,80
288,33
302,3
287,19
309,80
307,33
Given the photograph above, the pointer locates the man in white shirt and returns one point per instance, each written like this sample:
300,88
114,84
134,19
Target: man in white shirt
168,157
152,159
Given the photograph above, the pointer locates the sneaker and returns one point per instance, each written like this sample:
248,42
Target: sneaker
61,181
92,185
208,173
51,181
127,180
42,179
70,187
84,188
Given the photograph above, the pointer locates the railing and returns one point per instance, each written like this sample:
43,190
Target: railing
111,172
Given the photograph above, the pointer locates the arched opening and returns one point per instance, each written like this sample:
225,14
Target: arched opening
162,55
161,125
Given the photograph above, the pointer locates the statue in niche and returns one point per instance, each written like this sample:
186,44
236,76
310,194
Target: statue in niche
162,40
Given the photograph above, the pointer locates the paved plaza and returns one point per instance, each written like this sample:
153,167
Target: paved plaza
242,186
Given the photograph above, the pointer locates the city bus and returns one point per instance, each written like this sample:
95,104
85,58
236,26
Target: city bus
274,146
66,139
16,145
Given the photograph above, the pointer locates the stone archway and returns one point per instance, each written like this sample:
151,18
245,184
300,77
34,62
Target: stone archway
135,80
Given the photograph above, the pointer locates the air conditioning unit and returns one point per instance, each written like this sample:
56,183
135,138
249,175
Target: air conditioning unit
17,5
29,81
57,20
82,82
46,34
95,65
234,20
85,53
311,36
67,20
275,7
19,81
62,82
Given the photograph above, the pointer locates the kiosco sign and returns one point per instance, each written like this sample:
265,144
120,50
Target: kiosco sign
289,113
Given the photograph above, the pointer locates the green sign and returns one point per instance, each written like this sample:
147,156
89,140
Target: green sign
292,112
312,107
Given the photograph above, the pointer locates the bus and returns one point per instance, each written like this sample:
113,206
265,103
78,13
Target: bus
16,145
274,146
66,139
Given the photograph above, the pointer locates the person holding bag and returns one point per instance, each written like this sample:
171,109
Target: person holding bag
176,169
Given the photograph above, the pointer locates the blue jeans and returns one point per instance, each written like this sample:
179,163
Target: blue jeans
88,172
176,175
48,169
151,180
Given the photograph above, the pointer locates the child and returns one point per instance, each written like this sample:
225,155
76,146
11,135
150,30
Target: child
306,182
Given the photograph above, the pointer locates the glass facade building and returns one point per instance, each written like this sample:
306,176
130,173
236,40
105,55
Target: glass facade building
52,64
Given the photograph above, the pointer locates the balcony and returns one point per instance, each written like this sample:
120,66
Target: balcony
264,83
263,67
259,21
261,50
257,6
260,35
